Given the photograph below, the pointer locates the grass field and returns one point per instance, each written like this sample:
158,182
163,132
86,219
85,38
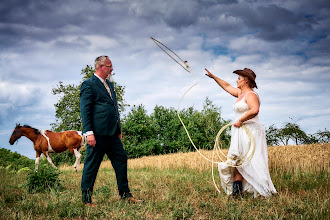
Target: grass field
179,186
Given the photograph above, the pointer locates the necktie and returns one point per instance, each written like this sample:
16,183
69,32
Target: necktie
107,88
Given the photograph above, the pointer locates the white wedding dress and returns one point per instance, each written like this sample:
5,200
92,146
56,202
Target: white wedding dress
255,173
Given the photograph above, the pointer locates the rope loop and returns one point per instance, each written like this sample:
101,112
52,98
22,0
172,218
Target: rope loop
184,64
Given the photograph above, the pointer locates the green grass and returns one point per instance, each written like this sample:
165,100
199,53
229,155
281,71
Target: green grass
167,194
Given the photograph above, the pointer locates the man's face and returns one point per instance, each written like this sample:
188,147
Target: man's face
106,68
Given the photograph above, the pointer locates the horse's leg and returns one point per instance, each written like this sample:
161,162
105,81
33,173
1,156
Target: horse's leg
37,161
46,153
78,157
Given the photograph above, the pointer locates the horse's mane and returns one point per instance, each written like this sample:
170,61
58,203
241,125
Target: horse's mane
35,130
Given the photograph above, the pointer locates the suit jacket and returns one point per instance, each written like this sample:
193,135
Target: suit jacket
99,113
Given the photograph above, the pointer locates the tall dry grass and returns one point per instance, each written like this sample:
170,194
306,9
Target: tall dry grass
314,157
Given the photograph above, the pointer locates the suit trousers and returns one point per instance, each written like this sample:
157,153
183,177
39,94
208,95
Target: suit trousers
113,147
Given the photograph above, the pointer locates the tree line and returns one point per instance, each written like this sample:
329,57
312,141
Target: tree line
293,132
13,160
161,132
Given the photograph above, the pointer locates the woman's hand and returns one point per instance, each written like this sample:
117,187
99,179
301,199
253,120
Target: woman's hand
209,74
238,124
223,84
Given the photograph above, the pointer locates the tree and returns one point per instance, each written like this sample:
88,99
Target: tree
310,139
292,131
167,125
67,110
272,136
138,133
323,136
212,122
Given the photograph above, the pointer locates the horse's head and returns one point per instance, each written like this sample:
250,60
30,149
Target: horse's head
15,135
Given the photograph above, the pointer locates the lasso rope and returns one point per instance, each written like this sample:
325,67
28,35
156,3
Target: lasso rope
159,44
246,158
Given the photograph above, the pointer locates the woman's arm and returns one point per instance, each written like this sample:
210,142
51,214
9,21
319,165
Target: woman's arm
253,103
224,85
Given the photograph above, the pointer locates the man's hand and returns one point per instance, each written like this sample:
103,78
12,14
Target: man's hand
91,140
120,136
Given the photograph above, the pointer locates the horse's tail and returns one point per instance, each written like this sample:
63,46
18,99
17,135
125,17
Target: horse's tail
83,143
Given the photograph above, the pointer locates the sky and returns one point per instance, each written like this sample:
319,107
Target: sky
286,43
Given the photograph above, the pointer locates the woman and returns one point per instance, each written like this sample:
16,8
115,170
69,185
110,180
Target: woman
254,176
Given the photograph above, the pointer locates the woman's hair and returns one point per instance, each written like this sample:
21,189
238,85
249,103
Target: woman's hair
99,60
251,84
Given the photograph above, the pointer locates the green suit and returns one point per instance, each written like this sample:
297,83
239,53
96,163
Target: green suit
99,113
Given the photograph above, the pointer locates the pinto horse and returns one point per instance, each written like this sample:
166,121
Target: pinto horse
46,142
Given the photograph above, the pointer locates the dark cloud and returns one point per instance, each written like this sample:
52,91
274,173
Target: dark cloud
177,14
44,14
321,48
273,22
45,20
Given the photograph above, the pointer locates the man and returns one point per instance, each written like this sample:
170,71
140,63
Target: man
101,125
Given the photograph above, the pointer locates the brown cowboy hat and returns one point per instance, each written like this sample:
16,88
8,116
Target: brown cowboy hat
249,74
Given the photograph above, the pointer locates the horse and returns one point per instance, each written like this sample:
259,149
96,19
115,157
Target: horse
46,141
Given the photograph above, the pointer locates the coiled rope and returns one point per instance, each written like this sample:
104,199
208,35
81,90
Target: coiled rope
246,158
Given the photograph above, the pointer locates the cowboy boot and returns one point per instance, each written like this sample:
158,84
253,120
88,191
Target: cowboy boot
237,188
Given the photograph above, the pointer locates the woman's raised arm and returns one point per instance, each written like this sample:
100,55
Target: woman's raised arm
224,85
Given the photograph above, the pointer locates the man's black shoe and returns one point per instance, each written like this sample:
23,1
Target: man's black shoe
129,197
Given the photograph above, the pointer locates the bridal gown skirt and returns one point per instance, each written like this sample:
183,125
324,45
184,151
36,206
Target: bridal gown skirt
255,173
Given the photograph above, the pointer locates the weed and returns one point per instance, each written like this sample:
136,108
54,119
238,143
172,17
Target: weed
45,179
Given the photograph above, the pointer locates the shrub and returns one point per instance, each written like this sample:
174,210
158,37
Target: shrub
24,169
46,178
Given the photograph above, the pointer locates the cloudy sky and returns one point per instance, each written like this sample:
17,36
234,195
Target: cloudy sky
286,43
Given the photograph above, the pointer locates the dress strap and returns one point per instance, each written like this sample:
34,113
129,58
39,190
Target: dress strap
250,92
254,93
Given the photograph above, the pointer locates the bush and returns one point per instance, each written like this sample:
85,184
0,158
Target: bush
23,170
14,160
45,179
